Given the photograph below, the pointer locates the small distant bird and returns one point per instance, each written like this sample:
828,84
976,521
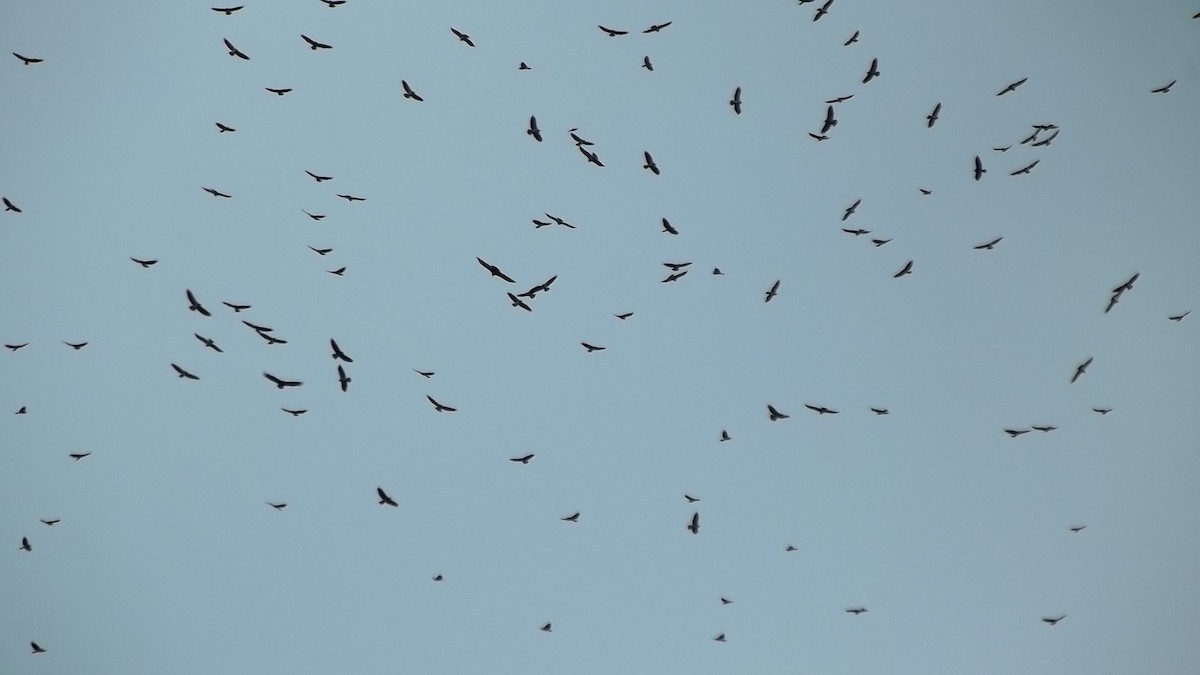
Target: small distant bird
736,101
26,60
352,198
546,628
75,345
424,373
932,117
858,232
1045,141
559,221
277,91
1102,411
655,28
281,383
217,193
222,128
37,649
852,40
278,507
676,266
517,302
726,601
234,51
438,577
1045,429
16,347
227,11
9,206
822,10
613,33
1078,528
462,37
321,251
384,499
208,342
573,518
235,308
979,170
293,413
690,499
341,271
333,4
872,72
1081,369
907,269
1004,149
649,164
51,523
991,245
925,192
338,354
523,66
791,549
1032,137
818,137
317,178
851,209
25,544
1025,169
592,157
725,436
1179,317
592,348
533,129
1053,620
313,44
438,406
694,526
23,410
717,271
668,228
144,263
774,414
78,455
830,120
881,411
409,93
856,610
841,99
772,291
646,64
523,460
624,316
257,328
1013,433
578,140
720,638
314,216
343,378
543,287
495,271
1164,89
675,276
1128,285
183,373
820,409
1012,87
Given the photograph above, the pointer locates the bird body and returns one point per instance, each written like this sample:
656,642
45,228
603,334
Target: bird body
736,101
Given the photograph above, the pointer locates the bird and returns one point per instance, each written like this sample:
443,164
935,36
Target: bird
592,348
424,373
533,129
438,406
352,198
668,228
717,271
235,308
736,101
341,271
851,40
772,291
979,170
462,37
281,383
1102,411
646,64
343,378
183,373
338,354
1116,297
1013,433
872,72
1044,429
830,120
23,410
1081,369
144,263
656,28
16,347
924,191
234,51
26,60
1163,89
547,628
409,93
75,345
856,610
649,164
1053,620
317,178
1012,87
257,328
495,271
690,499
437,577
522,460
933,116
384,499
592,157
676,266
578,140
278,507
524,66
694,526
879,242
1025,169
559,221
543,287
612,32
858,232
991,245
907,269
1128,285
818,137
573,518
851,209
51,523
720,638
222,128
517,302
725,436
881,411
314,216
1032,137
624,316
1045,141
822,10
37,649
1179,317
25,544
840,99
272,340
774,414
217,193
820,409
9,206
313,44
674,276
321,251
277,91
293,413
726,601
1003,149
78,455
227,11
1077,529
791,549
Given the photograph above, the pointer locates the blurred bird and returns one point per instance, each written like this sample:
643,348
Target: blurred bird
517,302
37,649
1078,528
75,345
51,523
25,544
1081,369
341,271
1025,169
624,316
979,170
991,245
533,129
649,164
234,51
613,33
736,101
9,206
1179,317
409,93
655,28
227,11
234,307
932,117
872,72
1053,620
313,44
880,411
772,291
338,354
26,60
343,378
573,518
774,414
384,499
144,263
183,373
495,271
281,383
907,269
592,348
217,193
820,409
222,128
462,37
646,64
319,179
523,460
78,455
547,628
439,407
1012,87
314,216
278,507
856,610
352,198
293,413
1163,89
1013,433
694,526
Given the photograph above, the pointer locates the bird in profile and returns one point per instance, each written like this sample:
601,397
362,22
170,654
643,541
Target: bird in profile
573,518
818,137
856,610
294,413
840,99
1102,411
384,499
725,436
820,409
333,4
979,170
592,348
25,544
462,37
495,271
517,302
1045,141
547,628
438,577
278,507
1077,529
352,198
236,308
674,276
1081,369
23,410
822,10
932,117
9,206
533,129
277,91
409,93
183,373
1053,620
656,28
341,271
720,638
577,138
991,245
858,232
234,51
1179,317
907,269
227,11
852,39
313,44
1025,169
1128,285
624,316
317,178
881,411
1012,87
314,216
1044,429
144,263
1163,89
736,101
543,287
726,601
649,163
257,328
690,499
694,526
524,66
26,60
791,549
16,347
438,406
925,192
78,455
559,221
75,345
774,414
51,523
717,271
612,32
772,291
830,120
1013,433
343,378
522,460
646,64
338,354
321,251
37,649
280,383
217,193
424,373
872,71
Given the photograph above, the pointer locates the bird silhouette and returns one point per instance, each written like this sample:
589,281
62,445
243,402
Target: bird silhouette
649,163
462,37
559,221
280,383
338,354
438,406
772,291
523,66
668,228
1045,141
547,628
16,347
533,129
774,414
333,4
317,178
791,549
989,245
736,101
578,139
543,287
313,44
75,345
1012,87
979,170
314,216
857,232
343,378
438,577
352,198
1081,369
1044,429
717,271
23,410
1053,620
573,518
37,649
1013,433
222,128
822,10
495,271
1128,285
592,157
818,137
856,610
341,271
9,206
517,302
925,192
720,638
690,499
409,93
1102,411
820,409
880,411
321,251
694,526
624,316
278,507
227,11
612,32
522,460
725,436
1025,169
907,269
144,263
830,120
217,193
25,544
674,276
932,117
1163,89
879,242
384,499
78,455
257,328
424,373
726,601
872,71
646,64
293,413
234,51
1078,528
1179,317
851,40
592,348
277,91
183,373
851,209
655,28
840,99
236,308
195,306
51,523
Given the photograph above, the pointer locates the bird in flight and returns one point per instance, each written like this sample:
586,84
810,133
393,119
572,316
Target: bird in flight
592,157
533,129
772,291
317,178
1045,429
281,383
857,233
1128,285
23,410
279,92
856,610
9,206
690,499
75,345
1081,369
736,101
822,10
341,271
726,601
278,507
1053,620
851,40
194,304
1179,317
523,460
1102,411
51,523
343,378
573,518
818,137
321,251
932,117
37,649
1013,433
78,455
1078,528
720,638
517,302
495,271
655,28
830,120
674,276
352,198
333,4
879,242
409,93
820,409
694,526
1045,141
384,499
16,347
851,209
774,414
217,193
725,436
649,164
592,348
840,99
991,245
438,406
338,354
524,66
906,270
227,11
578,139
1025,169
185,374
234,51
424,373
543,287
880,411
872,72
613,33
314,216
1163,89
257,328
547,628
462,37
1012,87
676,266
646,64
314,45
624,316
294,413
558,221
668,228
979,170
235,308
29,59
25,544
144,263
791,549
1003,149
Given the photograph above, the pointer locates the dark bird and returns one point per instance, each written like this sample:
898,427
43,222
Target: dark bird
925,192
314,216
543,287
1078,528
1081,369
694,526
1012,87
384,499
1128,285
278,507
1025,169
646,64
856,610
1032,137
51,523
933,116
314,45
1161,90
573,518
726,601
720,638
820,409
257,328
333,4
16,347
624,316
523,66
517,302
438,577
881,411
989,245
78,455
277,91
235,308
523,460
409,93
578,139
559,221
538,224
655,28
316,177
736,101
343,378
533,129
1045,429
840,99
321,251
462,37
546,628
674,276
341,271
852,40
1003,149
217,193
208,342
23,410
851,209
830,120
592,157
37,648
1013,433
774,414
1053,620
717,271
872,72
725,436
352,198
1112,302
144,263
979,170
676,266
1045,141
338,354
222,128
281,383
271,339
234,51
649,164
667,228
25,544
294,413
818,137
772,291
613,33
906,270
227,11
424,373
495,271
1102,411
438,406
26,60
791,549
75,345
592,348
1179,317
690,499
822,10
857,233
9,206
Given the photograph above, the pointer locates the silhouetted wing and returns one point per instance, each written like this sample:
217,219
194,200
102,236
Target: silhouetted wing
613,33
184,373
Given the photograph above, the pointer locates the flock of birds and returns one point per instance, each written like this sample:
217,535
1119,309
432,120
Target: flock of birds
1040,136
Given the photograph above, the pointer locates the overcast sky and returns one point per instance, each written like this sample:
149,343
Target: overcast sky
953,535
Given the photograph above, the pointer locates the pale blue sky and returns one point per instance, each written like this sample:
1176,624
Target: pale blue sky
953,535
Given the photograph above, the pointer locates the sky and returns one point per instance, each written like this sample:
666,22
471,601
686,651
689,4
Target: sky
167,558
